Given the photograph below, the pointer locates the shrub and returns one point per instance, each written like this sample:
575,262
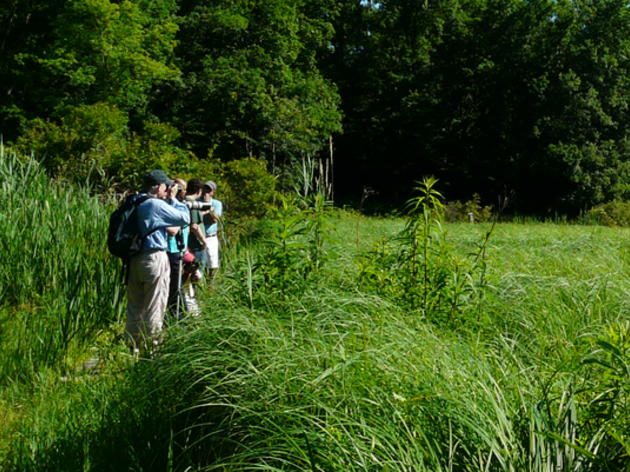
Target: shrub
250,188
246,188
154,148
614,213
92,143
84,144
462,211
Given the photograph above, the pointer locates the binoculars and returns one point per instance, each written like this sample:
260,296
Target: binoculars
195,205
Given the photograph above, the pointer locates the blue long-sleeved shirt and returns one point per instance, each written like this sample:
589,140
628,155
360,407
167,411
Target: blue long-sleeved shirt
156,213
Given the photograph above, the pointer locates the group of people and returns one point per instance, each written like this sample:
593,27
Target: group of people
179,223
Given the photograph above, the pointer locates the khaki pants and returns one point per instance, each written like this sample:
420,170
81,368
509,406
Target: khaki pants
147,295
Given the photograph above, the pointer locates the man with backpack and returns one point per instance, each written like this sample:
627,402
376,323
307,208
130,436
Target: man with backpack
149,271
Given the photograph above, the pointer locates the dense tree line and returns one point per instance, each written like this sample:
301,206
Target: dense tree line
528,98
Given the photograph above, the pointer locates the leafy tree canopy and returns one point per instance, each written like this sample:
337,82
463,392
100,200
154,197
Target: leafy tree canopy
251,79
62,54
522,97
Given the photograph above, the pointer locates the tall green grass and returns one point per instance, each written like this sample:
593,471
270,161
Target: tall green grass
336,380
316,372
57,285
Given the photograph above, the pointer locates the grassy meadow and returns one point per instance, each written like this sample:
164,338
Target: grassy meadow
331,342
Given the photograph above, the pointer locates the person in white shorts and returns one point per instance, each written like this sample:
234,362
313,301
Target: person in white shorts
212,219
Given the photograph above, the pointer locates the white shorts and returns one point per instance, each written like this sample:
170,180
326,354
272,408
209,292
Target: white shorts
212,252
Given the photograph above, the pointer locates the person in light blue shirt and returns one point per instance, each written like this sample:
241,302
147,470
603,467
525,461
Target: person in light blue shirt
155,215
177,244
212,219
149,271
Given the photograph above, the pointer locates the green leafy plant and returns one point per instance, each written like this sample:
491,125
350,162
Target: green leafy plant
606,393
418,266
293,243
582,420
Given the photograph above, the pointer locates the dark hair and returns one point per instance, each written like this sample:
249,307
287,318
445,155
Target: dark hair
193,186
